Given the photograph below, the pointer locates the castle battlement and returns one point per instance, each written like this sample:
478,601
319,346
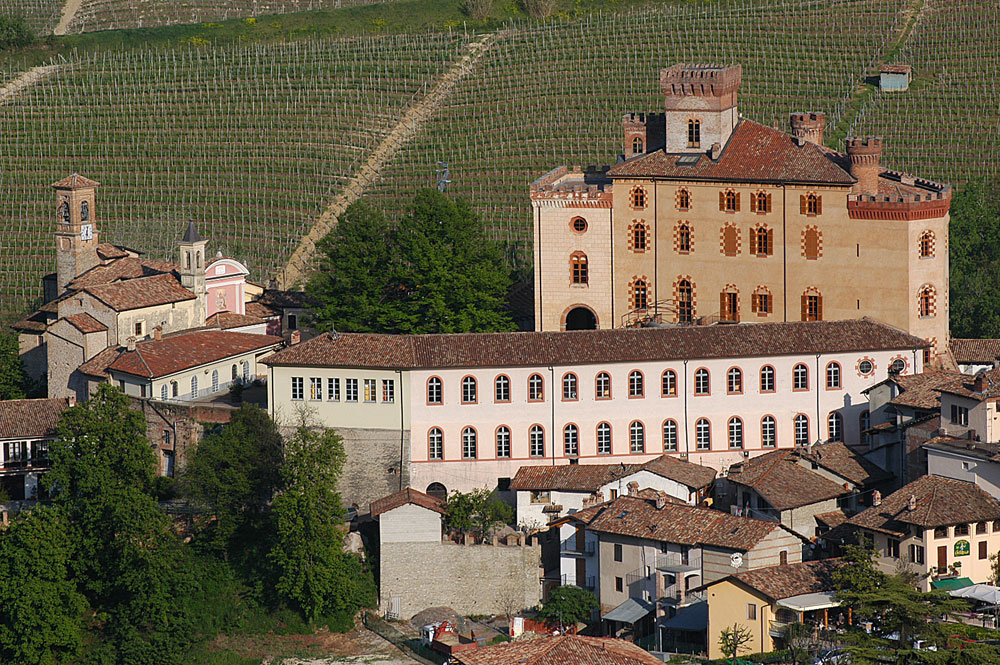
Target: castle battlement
700,80
573,185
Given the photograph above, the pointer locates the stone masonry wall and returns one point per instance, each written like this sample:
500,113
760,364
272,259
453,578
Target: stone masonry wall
373,468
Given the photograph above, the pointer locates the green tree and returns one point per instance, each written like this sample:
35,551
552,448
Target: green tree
798,639
856,580
14,32
357,261
479,510
568,605
975,260
734,639
314,574
41,613
12,377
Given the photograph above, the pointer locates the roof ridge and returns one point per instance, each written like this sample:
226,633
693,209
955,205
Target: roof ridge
143,360
777,458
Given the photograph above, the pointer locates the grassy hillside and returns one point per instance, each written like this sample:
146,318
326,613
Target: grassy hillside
40,15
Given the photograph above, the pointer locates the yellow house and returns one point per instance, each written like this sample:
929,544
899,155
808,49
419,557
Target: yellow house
766,600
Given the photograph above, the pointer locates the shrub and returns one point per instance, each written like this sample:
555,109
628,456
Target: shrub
538,9
14,32
478,9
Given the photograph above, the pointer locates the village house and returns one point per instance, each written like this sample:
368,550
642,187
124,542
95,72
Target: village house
938,527
766,600
710,216
963,459
973,355
466,411
560,650
27,426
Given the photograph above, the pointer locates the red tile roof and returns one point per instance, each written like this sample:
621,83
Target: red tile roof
591,477
560,650
98,365
964,385
754,153
30,418
693,475
403,497
937,502
784,483
138,293
228,320
174,353
260,310
121,269
793,579
831,519
75,181
922,391
838,458
107,251
975,351
85,323
595,346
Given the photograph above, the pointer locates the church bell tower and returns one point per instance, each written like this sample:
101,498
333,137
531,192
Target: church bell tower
76,230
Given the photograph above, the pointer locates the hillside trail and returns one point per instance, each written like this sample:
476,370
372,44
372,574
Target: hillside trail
68,14
297,266
24,80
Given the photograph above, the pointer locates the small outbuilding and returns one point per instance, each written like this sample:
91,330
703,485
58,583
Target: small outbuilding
895,78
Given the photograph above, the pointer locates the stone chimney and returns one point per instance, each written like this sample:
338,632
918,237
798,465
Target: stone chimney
661,500
633,487
716,151
876,498
158,333
71,401
808,126
911,505
294,337
979,383
996,363
865,155
130,344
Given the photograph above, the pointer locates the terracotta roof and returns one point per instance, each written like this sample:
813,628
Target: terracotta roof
964,385
966,447
975,351
595,346
98,365
784,483
228,320
560,650
831,519
260,310
896,69
107,251
138,293
686,473
121,269
680,523
85,323
75,181
753,153
837,457
403,497
284,299
155,358
793,579
591,477
938,502
30,418
922,391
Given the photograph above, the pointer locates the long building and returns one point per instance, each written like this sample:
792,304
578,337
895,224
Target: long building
444,412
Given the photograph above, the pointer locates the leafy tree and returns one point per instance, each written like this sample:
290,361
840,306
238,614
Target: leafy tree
12,376
568,605
975,260
315,575
41,613
235,472
478,510
14,32
734,639
798,638
856,579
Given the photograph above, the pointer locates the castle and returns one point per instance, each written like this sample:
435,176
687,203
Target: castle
711,217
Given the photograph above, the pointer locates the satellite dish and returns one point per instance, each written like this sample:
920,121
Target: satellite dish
736,560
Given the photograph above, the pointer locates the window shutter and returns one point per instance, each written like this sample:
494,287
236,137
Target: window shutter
802,204
753,237
723,312
768,203
753,203
722,200
819,308
770,241
737,201
819,205
805,307
753,303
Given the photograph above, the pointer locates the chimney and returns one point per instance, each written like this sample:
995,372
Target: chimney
979,384
716,151
295,337
996,363
865,154
158,333
876,498
911,505
130,344
808,126
633,487
71,401
661,500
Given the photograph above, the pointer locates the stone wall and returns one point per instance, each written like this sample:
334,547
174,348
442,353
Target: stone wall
470,579
373,468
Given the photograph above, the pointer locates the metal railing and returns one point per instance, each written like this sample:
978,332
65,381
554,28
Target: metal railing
677,562
571,547
676,595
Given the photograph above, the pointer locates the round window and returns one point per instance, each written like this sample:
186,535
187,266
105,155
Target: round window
898,365
866,367
579,225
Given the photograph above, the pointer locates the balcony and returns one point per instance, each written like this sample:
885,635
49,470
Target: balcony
570,580
572,548
675,595
679,564
777,628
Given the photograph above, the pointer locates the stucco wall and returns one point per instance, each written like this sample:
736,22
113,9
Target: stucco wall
983,473
409,524
727,605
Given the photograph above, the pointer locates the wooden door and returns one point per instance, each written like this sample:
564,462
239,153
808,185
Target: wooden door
581,539
581,572
943,557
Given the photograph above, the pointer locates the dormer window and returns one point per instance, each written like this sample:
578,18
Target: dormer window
694,133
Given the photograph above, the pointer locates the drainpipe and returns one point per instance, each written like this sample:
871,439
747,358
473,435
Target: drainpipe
818,420
399,373
552,402
656,246
687,433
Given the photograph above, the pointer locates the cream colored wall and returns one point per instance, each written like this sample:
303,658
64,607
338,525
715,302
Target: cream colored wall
934,271
121,325
133,385
727,605
409,523
716,126
977,416
970,469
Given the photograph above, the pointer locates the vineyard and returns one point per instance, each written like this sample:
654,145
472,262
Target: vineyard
40,15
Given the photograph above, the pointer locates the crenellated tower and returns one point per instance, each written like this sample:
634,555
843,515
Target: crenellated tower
700,104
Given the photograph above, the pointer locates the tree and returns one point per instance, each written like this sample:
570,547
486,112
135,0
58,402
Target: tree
478,510
734,639
568,606
12,377
41,612
315,575
14,32
798,638
975,260
857,579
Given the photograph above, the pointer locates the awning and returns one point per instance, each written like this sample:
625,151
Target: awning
951,584
630,611
691,618
984,593
808,602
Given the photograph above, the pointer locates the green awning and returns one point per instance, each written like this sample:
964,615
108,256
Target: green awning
951,584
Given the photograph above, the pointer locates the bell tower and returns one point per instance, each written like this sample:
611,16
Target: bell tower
76,230
191,260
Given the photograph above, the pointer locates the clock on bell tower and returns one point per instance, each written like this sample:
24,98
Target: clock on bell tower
76,234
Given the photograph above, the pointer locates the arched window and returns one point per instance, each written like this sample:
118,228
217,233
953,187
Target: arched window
637,437
215,380
637,146
640,296
194,386
669,435
701,382
730,201
812,205
187,260
64,212
536,388
703,434
801,430
469,390
760,203
926,244
434,390
503,441
246,369
570,387
668,383
602,386
694,133
835,427
768,432
767,379
469,443
730,240
638,198
635,384
435,444
501,389
683,239
84,211
571,441
163,391
638,237
235,373
865,423
926,301
578,268
603,439
833,376
812,305
800,377
735,433
811,243
685,301
729,304
174,389
761,301
536,441
683,199
762,241
438,491
734,381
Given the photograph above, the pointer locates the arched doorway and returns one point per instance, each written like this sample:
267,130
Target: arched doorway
438,491
581,318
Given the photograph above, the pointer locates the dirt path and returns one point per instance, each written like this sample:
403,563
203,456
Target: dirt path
298,264
14,87
68,14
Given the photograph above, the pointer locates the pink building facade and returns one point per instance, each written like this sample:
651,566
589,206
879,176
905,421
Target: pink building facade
225,284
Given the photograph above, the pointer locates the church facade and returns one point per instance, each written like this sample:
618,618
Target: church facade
711,217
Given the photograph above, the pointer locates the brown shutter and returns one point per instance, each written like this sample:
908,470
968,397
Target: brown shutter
770,242
802,204
723,310
753,302
737,201
753,203
819,308
753,238
805,307
722,200
819,205
768,203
